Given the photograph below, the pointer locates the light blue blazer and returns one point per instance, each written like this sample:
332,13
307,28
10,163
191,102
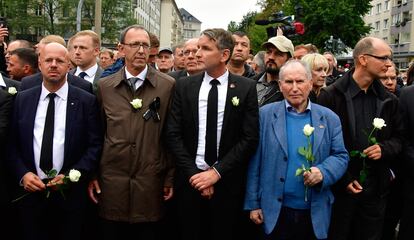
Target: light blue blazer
268,167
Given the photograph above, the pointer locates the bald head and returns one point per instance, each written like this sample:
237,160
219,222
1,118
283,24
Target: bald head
189,51
54,65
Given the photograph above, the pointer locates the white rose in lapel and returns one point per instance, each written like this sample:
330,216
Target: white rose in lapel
379,123
235,101
308,130
12,90
136,103
74,175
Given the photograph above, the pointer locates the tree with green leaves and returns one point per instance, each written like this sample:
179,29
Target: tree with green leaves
38,18
324,18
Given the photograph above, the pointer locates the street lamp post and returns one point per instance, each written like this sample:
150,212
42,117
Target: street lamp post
79,16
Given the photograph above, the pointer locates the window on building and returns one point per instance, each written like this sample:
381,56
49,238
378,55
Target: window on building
386,23
378,8
377,26
404,1
386,5
397,2
405,37
396,19
407,16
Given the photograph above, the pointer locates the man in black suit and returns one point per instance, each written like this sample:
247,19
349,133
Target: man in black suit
6,103
406,230
212,132
56,127
84,49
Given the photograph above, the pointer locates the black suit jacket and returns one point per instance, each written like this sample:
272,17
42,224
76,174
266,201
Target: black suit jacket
83,137
6,102
240,131
36,79
178,74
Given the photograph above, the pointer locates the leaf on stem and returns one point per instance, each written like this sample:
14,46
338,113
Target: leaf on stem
302,151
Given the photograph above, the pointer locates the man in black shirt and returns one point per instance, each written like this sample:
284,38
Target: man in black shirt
358,97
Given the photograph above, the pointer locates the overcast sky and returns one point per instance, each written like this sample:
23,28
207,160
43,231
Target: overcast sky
218,13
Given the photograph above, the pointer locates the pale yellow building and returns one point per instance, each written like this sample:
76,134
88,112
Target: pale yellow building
171,31
391,20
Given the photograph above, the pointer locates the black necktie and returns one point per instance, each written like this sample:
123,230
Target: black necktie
46,153
210,155
82,75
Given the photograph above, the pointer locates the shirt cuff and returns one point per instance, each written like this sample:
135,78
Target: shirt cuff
216,171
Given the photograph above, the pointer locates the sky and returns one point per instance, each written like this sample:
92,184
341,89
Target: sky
218,13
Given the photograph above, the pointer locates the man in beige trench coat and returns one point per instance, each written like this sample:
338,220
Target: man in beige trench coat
135,175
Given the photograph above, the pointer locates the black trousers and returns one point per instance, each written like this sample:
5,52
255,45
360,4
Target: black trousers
202,219
114,230
358,217
45,218
292,224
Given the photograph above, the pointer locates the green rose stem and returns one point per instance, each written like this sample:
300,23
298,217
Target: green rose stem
307,153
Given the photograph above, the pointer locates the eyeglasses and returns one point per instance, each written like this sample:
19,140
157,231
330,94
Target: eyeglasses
382,58
188,52
145,46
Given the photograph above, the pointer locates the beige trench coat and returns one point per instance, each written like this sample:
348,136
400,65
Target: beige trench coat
134,167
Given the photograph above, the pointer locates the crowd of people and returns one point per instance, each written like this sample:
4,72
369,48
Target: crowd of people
203,140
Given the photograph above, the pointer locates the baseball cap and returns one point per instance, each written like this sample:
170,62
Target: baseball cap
282,43
165,49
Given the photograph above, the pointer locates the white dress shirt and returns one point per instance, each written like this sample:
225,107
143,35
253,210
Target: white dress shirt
142,75
61,100
202,114
90,73
2,83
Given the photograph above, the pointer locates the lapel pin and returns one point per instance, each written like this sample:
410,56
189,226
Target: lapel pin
232,85
72,103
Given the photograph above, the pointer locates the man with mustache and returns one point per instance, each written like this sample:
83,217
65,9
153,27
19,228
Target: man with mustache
279,50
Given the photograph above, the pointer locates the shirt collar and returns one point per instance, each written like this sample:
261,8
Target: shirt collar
354,89
223,79
2,83
289,107
62,92
142,75
90,71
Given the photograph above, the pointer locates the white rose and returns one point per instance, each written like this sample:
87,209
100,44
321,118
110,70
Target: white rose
136,103
74,175
308,130
235,101
12,90
379,123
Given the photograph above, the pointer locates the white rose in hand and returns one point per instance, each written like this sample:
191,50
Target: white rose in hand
379,123
74,175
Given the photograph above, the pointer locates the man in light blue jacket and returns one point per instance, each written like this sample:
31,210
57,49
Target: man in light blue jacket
287,193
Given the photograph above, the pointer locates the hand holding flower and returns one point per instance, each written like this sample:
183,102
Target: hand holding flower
32,182
312,177
373,152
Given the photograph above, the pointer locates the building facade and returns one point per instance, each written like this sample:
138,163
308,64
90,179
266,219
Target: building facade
391,20
192,25
148,14
171,27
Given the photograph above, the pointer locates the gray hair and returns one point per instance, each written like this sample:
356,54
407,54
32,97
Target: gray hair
295,62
